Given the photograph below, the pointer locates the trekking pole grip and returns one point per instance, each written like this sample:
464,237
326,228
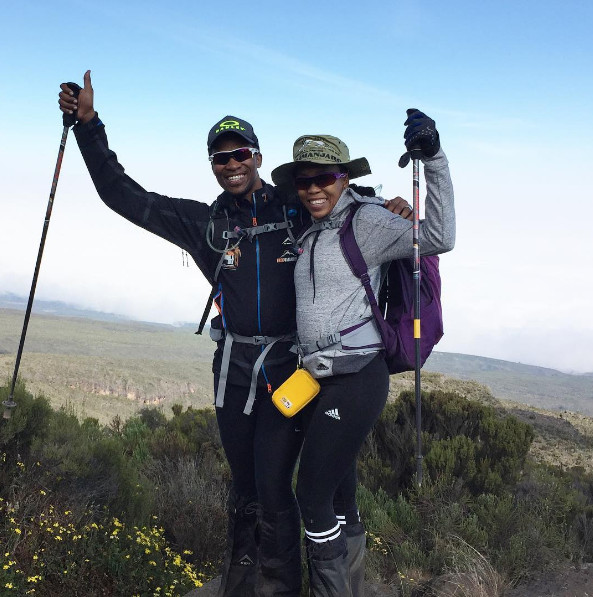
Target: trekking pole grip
415,152
70,119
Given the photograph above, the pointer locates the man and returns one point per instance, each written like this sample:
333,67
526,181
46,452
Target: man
242,244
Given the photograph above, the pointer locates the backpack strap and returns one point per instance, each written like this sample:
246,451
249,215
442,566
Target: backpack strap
253,231
210,241
237,233
265,341
318,227
206,310
358,265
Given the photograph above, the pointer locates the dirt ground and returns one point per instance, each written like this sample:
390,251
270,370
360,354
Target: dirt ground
211,590
568,582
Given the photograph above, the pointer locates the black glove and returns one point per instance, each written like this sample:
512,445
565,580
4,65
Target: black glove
420,133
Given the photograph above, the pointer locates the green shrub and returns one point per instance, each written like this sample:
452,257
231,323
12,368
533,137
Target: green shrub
153,418
60,552
480,498
29,420
190,499
462,439
94,465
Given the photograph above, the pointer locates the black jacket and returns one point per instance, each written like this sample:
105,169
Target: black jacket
256,290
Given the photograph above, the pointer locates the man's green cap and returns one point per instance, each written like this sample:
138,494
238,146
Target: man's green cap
320,150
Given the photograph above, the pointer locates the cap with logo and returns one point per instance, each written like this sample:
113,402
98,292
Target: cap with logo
232,124
320,150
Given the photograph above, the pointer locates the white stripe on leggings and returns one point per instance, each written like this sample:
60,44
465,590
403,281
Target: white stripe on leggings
333,533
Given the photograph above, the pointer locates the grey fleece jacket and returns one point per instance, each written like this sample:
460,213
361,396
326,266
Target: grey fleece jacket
329,298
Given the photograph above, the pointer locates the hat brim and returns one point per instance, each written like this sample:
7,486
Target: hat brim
285,174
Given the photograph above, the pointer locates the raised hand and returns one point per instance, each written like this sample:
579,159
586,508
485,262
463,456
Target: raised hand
83,105
420,135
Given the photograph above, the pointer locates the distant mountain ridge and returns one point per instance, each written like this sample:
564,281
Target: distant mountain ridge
9,300
527,384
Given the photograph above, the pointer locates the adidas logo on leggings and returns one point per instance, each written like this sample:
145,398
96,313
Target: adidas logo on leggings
333,413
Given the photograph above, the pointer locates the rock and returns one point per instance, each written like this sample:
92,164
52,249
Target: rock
210,589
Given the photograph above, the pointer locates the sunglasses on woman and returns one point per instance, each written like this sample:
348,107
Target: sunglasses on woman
221,158
302,183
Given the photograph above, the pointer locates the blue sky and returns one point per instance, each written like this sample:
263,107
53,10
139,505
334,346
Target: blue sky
508,83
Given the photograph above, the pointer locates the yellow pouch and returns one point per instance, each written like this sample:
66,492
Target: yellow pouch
295,393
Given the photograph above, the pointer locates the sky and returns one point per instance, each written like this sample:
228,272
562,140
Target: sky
509,85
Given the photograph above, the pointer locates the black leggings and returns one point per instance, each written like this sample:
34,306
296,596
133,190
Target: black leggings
336,424
262,448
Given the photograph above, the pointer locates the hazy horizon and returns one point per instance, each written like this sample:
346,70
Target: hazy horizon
12,301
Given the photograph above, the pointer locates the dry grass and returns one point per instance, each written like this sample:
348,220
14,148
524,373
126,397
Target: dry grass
562,439
472,390
469,574
101,387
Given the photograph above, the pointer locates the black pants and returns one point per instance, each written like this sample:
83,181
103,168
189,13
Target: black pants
262,448
336,424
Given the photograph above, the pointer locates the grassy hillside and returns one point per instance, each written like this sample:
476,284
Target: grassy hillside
116,347
535,386
103,368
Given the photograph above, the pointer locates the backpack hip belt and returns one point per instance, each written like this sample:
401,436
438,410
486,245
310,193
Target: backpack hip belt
229,338
363,335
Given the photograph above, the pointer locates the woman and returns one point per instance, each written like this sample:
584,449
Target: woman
330,299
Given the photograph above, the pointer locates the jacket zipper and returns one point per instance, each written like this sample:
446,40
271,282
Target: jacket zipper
257,258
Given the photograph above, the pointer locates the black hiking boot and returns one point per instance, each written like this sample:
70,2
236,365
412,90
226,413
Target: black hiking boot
279,571
356,544
240,563
328,568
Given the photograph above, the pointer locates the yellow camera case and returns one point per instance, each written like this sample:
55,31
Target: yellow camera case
295,393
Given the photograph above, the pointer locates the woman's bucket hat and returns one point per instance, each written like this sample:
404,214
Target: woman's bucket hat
320,150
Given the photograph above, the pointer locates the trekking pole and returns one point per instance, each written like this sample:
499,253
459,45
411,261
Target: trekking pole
68,121
415,155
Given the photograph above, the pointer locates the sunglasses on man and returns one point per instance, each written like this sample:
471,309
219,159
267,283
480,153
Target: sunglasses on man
302,183
221,158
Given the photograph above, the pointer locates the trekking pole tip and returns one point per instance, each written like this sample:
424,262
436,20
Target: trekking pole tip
8,406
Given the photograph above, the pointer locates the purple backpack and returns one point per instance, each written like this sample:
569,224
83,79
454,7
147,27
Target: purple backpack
394,312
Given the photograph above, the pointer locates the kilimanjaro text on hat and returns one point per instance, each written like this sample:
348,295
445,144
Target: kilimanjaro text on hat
229,125
315,148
